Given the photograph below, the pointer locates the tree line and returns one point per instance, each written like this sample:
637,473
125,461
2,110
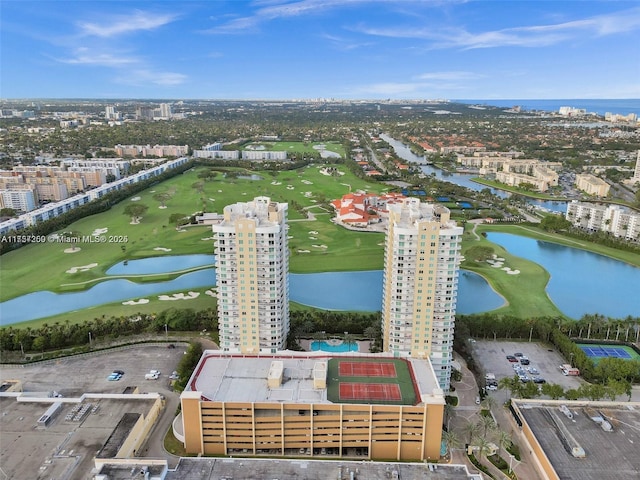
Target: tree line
61,335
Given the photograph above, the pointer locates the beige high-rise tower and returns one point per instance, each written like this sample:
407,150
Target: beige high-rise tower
420,285
252,276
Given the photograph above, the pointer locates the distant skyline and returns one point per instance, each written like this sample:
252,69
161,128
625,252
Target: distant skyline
304,49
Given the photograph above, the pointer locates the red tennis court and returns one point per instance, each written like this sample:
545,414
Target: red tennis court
370,391
367,369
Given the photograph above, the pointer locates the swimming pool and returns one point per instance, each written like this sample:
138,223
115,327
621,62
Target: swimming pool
326,347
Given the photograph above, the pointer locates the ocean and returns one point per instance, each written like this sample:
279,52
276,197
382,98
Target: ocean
599,106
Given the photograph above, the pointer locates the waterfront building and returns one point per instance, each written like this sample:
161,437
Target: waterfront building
252,274
420,284
592,185
312,404
619,221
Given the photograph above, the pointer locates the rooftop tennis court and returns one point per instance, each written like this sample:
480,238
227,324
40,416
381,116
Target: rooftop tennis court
370,380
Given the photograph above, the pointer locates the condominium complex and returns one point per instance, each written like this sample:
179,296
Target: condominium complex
592,185
252,267
421,265
620,221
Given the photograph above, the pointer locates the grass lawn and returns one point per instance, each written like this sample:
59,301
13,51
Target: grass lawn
44,266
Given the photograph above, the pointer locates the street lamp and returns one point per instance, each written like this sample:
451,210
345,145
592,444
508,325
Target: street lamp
89,339
166,332
571,359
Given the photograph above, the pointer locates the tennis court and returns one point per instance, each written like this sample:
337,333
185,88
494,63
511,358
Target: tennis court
598,351
371,380
370,391
367,369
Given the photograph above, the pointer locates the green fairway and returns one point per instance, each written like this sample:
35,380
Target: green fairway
47,266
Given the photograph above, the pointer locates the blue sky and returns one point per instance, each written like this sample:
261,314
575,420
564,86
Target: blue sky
343,49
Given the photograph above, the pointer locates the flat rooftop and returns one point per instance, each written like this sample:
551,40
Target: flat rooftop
224,377
66,447
259,469
609,455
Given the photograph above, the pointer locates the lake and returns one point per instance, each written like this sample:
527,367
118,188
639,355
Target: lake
581,283
358,291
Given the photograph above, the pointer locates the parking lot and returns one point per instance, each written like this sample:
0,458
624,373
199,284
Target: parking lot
73,376
65,449
491,357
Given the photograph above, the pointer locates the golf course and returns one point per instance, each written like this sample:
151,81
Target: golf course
316,243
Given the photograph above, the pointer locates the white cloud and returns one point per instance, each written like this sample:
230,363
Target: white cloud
84,56
274,9
529,36
141,77
449,76
123,24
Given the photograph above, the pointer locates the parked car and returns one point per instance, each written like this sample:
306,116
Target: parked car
119,372
511,358
524,361
518,354
539,380
114,377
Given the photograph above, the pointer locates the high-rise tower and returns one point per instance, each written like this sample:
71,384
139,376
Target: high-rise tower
252,276
421,264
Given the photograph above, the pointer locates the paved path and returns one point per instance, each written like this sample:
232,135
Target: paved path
468,412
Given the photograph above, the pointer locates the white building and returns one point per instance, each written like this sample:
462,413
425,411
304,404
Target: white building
19,197
420,286
252,276
619,221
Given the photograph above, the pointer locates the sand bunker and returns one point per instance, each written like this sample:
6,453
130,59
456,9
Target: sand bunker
72,250
135,199
162,206
180,296
99,231
313,232
142,301
211,293
307,182
82,268
319,246
208,238
304,251
162,249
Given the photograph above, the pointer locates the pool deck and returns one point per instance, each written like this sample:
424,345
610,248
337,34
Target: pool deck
363,345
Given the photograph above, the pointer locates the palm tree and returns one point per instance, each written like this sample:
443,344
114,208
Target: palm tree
472,430
504,440
484,446
486,424
488,403
450,440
